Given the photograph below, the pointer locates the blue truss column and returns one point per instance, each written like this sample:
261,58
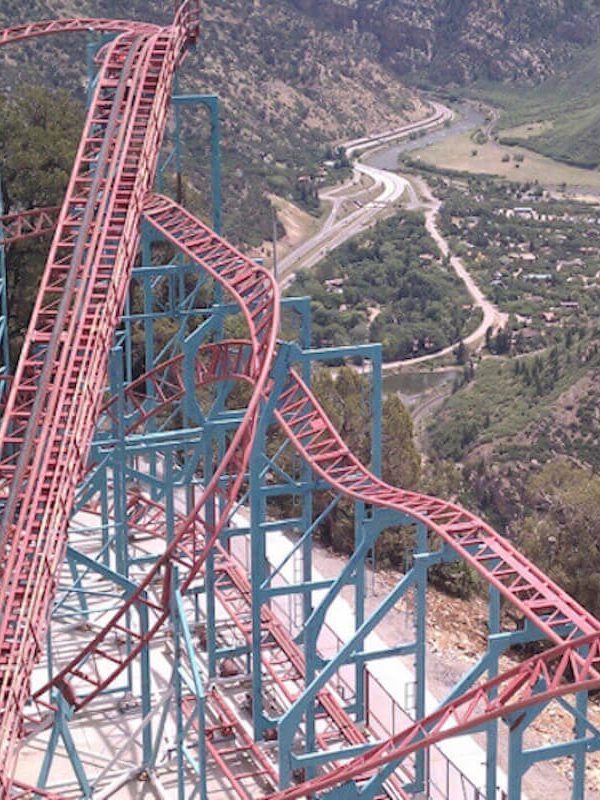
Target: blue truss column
146,243
209,577
119,479
303,307
60,730
177,622
215,156
491,762
128,339
183,645
516,767
258,527
304,704
116,378
77,586
258,575
146,688
307,518
579,757
105,517
360,514
180,723
376,410
420,565
145,669
221,436
521,760
64,711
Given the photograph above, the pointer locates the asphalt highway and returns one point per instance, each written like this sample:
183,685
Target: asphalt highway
337,229
391,187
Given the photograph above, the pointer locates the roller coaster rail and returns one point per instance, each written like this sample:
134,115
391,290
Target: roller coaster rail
147,568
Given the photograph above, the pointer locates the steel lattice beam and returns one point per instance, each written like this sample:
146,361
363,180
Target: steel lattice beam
28,224
556,673
49,27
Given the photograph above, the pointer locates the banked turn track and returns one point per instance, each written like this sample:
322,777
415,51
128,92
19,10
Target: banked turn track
55,401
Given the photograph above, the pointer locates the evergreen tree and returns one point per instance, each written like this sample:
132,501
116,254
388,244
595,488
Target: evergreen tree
39,131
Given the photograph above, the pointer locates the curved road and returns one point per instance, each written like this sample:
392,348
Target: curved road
492,317
336,231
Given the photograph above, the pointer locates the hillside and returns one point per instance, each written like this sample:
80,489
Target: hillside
560,117
462,40
288,90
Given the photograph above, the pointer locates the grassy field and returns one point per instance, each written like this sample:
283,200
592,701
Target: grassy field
527,130
566,108
460,153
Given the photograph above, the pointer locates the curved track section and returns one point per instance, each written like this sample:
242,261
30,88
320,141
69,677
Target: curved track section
54,400
48,27
493,557
252,287
256,292
155,392
21,791
556,673
568,668
54,405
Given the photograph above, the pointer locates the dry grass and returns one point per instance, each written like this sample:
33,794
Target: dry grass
527,130
456,153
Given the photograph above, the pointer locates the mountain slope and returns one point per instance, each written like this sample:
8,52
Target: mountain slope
567,105
462,40
288,90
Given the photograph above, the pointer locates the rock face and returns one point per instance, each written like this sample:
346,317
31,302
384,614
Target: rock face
456,41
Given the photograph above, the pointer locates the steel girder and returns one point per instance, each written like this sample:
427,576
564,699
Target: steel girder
28,224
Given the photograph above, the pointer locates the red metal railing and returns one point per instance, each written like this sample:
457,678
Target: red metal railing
48,27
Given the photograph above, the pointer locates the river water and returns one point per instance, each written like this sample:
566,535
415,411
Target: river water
468,118
413,383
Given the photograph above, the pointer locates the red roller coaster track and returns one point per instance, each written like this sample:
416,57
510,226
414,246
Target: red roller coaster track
55,399
560,671
28,224
570,667
48,27
254,289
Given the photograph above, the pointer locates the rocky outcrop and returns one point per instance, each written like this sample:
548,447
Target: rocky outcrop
462,40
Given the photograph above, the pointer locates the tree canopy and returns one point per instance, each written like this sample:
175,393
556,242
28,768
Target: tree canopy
389,286
345,399
39,131
562,533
